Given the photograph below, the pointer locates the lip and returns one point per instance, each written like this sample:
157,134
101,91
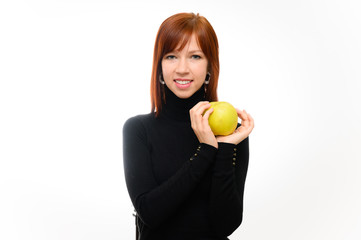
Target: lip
182,79
183,86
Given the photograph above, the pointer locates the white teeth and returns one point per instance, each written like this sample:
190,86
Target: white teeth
182,82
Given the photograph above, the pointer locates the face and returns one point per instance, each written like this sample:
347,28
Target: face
184,72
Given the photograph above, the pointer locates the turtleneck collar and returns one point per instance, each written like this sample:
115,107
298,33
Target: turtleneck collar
178,108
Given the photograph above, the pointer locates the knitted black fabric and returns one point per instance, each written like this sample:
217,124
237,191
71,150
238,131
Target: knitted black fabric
180,188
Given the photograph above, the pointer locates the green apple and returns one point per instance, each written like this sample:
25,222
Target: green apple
224,118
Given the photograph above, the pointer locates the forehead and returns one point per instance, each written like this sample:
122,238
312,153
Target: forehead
190,44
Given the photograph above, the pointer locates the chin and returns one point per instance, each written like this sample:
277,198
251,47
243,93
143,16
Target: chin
183,95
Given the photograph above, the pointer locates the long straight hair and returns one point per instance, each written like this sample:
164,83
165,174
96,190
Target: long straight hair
175,30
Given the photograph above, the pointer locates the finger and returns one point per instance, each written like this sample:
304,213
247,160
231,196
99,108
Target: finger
239,113
201,109
199,104
245,119
194,110
208,112
196,114
245,114
242,115
251,121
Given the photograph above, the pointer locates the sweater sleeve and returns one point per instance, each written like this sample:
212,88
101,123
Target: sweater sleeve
228,180
155,202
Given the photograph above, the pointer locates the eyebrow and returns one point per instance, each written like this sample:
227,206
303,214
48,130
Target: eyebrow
191,52
194,51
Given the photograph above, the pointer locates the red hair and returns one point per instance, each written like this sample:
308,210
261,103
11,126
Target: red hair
179,29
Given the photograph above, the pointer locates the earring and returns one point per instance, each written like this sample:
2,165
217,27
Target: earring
208,77
161,79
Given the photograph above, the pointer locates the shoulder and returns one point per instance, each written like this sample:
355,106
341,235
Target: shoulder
139,119
138,123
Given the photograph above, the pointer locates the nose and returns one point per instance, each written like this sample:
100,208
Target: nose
182,67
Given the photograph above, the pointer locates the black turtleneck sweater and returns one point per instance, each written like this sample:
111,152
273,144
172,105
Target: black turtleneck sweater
180,188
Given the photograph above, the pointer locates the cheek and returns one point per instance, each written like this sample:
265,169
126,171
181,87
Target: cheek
202,69
166,69
163,67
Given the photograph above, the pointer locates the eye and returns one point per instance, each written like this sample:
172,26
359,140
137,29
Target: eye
170,57
196,56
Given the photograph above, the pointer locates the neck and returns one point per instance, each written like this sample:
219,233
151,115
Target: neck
178,108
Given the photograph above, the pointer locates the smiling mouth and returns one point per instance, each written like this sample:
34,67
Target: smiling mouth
182,82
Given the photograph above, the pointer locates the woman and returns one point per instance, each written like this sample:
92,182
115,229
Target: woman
184,182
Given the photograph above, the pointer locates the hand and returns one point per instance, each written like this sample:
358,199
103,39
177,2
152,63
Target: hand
200,123
242,132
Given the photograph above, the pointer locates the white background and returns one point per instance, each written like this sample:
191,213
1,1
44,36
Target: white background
73,71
